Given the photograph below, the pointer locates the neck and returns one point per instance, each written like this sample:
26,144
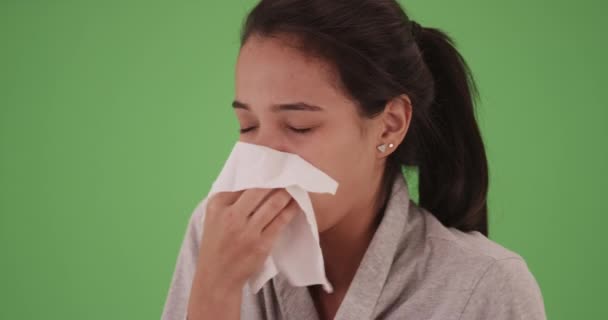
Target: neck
345,244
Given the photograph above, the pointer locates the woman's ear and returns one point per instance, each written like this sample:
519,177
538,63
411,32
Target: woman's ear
396,120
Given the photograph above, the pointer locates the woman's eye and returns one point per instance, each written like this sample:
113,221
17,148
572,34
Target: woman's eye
247,129
300,130
296,130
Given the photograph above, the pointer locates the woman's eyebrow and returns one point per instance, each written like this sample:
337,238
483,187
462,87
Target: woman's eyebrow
296,106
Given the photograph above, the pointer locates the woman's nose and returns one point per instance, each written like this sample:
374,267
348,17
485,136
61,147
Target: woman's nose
270,139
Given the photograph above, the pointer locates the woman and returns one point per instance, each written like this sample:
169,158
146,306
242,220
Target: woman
359,90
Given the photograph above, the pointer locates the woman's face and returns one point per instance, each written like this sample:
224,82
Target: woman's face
290,103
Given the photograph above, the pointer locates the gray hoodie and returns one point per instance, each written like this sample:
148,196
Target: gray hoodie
414,268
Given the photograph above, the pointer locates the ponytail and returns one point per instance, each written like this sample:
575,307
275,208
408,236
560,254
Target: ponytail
449,152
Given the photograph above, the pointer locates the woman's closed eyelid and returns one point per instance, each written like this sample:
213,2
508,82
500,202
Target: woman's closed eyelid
246,129
300,130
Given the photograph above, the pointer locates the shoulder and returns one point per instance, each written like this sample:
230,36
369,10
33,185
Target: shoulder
471,244
185,266
189,249
499,281
195,221
505,290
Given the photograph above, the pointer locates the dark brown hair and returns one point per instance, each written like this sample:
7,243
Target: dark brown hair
379,53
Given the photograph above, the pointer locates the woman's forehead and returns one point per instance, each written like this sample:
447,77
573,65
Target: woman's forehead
269,72
272,61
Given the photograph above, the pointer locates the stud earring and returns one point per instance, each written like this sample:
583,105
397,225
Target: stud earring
382,147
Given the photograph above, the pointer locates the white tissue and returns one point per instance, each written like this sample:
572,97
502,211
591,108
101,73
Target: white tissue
297,253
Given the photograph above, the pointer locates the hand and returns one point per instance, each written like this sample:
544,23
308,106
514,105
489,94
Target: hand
239,231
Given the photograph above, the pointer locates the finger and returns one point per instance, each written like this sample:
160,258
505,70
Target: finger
270,209
273,229
226,198
220,200
251,200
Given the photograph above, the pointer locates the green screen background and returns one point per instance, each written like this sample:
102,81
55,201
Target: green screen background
115,118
